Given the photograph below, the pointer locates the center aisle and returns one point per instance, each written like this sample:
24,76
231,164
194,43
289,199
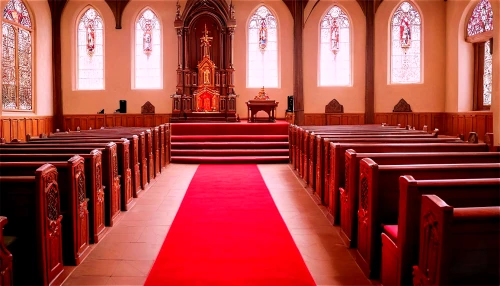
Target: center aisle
228,231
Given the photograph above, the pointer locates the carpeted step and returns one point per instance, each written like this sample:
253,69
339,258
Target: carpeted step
229,152
229,145
237,128
229,138
230,159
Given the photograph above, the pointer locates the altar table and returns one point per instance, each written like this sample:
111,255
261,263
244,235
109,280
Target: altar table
268,106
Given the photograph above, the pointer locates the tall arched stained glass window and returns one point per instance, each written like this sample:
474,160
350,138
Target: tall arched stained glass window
480,32
17,57
406,44
335,50
90,51
147,51
262,49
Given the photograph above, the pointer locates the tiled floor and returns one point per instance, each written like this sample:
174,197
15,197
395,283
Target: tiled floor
127,252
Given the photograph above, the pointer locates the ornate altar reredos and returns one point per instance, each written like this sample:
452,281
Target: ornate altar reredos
205,33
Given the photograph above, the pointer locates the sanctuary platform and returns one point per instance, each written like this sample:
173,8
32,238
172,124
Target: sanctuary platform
230,142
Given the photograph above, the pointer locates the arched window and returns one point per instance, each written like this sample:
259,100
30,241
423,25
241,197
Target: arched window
262,49
480,33
147,70
17,57
406,45
335,50
90,53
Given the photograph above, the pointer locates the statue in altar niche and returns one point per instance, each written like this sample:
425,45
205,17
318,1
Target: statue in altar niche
207,97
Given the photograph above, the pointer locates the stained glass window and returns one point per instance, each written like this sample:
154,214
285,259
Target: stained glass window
148,51
487,76
335,50
481,19
90,51
405,45
17,59
262,49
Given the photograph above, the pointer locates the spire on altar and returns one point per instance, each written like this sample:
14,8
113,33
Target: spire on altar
205,43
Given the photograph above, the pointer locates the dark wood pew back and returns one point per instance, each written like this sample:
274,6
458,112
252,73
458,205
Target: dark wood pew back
335,174
110,178
458,246
379,199
6,274
94,185
457,192
349,191
71,180
32,206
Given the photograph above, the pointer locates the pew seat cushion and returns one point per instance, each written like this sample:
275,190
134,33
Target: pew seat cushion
391,231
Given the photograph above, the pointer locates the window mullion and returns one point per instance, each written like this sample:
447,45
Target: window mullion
16,65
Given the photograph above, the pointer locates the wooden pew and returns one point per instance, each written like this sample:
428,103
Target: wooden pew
400,242
334,176
379,200
6,274
349,190
139,157
458,245
319,151
32,205
94,186
110,177
71,180
123,163
133,154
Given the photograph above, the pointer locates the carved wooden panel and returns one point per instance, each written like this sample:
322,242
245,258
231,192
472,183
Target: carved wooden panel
147,108
402,106
334,107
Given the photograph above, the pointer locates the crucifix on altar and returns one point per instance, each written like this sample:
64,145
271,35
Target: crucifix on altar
207,97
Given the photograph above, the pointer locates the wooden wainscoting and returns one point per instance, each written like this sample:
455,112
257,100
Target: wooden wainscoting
87,121
433,120
334,118
18,127
480,122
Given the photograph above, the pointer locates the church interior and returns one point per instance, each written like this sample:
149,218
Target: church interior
125,102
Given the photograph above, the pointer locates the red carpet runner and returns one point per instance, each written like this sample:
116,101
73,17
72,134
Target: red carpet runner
228,231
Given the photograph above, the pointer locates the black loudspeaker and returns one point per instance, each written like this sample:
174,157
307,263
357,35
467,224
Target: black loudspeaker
123,106
290,104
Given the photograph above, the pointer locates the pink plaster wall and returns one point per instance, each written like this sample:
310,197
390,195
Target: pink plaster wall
315,96
428,96
495,101
243,10
42,59
118,58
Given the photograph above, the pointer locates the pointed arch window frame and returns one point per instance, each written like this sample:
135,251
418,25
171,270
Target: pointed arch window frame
263,48
136,45
8,20
350,46
89,53
391,41
479,40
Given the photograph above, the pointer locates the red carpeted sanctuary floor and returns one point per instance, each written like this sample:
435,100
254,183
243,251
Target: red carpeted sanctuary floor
228,231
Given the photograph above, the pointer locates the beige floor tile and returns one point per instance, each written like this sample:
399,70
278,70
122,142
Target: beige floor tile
127,253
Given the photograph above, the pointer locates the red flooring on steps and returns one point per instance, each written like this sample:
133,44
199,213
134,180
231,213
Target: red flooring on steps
228,231
230,142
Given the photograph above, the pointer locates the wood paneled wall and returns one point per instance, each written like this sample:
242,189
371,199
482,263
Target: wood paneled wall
334,118
87,121
480,122
18,127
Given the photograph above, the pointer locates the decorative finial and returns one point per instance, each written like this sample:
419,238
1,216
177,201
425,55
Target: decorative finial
178,11
231,10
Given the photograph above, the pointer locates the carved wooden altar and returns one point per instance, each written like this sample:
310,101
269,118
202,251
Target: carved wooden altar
205,71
